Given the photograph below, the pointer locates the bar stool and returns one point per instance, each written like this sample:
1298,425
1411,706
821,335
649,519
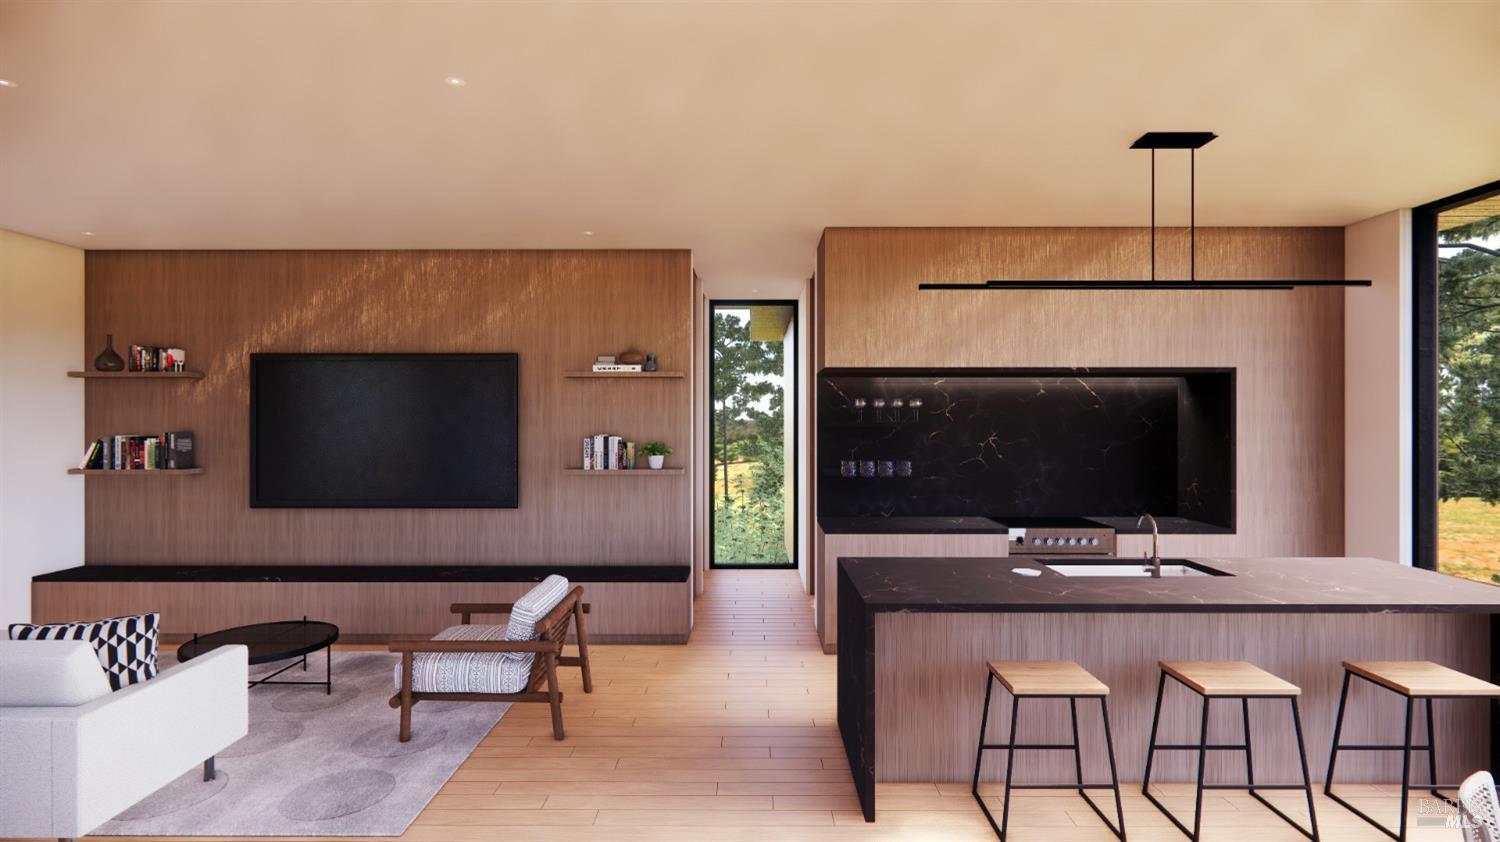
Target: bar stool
1411,680
1228,680
1046,680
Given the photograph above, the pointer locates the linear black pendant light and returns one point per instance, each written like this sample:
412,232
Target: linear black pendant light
1191,141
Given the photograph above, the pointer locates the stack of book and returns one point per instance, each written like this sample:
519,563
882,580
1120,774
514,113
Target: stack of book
605,363
145,358
605,452
165,452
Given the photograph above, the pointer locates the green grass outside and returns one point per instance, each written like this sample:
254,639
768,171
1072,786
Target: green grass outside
1469,539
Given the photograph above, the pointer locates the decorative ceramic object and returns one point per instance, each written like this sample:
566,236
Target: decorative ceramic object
630,356
650,364
108,360
656,461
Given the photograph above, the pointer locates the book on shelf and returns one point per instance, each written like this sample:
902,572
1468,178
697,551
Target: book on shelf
164,452
150,358
616,368
605,452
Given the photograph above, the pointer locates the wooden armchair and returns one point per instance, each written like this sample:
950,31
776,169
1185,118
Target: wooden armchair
539,686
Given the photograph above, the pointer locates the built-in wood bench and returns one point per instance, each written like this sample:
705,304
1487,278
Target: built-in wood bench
635,603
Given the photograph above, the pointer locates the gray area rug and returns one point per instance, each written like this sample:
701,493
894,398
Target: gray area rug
319,765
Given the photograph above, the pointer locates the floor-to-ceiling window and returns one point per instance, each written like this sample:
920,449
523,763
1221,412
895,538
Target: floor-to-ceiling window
1457,276
752,452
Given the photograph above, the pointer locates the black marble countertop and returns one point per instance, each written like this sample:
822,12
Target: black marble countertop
960,525
1258,585
366,573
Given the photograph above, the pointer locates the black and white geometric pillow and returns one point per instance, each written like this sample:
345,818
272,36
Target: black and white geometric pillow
126,646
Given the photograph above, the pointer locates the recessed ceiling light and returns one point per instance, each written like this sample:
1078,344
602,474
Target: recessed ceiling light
6,83
88,233
456,81
757,289
588,233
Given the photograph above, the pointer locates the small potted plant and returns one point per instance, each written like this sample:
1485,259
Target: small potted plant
656,453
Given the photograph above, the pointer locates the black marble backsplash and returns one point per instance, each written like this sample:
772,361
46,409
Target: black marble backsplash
1027,443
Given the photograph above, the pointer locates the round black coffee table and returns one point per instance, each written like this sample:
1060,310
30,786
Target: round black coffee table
271,642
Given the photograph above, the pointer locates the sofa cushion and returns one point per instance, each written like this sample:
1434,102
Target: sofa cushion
467,672
50,673
126,646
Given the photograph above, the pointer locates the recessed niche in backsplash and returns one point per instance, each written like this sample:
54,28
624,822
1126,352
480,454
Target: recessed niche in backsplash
1107,443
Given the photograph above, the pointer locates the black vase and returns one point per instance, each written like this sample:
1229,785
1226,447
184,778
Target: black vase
108,360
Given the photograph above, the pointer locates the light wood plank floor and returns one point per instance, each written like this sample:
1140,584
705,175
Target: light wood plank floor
733,737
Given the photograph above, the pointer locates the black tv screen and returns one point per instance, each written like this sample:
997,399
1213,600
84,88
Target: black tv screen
383,430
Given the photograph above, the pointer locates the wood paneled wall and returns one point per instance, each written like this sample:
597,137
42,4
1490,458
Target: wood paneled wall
557,309
1287,347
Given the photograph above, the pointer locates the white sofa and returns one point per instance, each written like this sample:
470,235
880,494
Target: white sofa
74,754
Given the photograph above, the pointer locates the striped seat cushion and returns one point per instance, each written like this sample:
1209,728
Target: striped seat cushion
467,672
487,672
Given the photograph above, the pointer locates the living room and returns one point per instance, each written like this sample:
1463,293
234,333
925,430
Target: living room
698,420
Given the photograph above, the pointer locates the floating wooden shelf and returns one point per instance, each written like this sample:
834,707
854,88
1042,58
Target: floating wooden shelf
624,375
137,375
172,472
630,473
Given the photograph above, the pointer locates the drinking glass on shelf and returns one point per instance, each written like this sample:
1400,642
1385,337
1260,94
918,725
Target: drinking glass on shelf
867,468
848,468
859,408
879,404
886,468
916,408
903,467
896,406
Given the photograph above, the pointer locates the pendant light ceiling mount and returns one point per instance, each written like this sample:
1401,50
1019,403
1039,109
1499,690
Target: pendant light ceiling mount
1192,142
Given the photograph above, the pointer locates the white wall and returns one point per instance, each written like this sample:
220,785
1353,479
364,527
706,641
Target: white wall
1377,389
41,415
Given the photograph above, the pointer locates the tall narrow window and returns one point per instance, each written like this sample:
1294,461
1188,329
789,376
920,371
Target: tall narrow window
1464,389
752,457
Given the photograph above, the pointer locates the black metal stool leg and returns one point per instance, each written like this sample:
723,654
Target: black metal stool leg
984,722
1405,771
1249,755
1010,765
1161,684
1432,754
1077,753
1202,757
1338,729
1114,776
1312,814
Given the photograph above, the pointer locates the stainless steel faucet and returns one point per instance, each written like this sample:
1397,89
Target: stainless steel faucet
1155,544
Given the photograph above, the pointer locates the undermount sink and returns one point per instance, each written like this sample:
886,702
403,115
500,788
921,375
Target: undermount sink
1171,568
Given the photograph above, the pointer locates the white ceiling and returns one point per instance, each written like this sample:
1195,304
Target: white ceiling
738,130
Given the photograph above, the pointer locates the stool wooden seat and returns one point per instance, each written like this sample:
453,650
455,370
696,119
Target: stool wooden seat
1413,681
1228,678
1047,678
1422,678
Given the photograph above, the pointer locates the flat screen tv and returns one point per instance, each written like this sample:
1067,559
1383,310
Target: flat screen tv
383,431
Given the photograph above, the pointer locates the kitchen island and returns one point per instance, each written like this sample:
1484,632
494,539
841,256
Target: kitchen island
915,633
